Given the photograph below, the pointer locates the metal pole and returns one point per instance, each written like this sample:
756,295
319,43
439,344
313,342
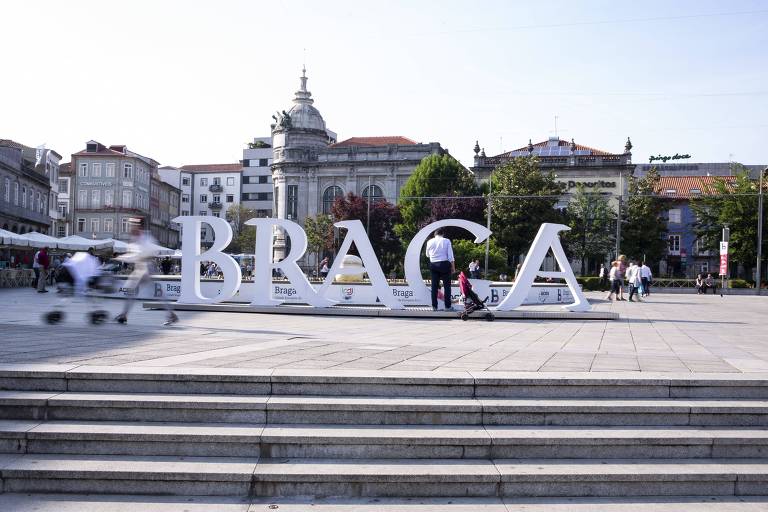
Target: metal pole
760,232
488,225
368,222
618,215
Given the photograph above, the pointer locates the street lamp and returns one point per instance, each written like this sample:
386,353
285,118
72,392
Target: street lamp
760,231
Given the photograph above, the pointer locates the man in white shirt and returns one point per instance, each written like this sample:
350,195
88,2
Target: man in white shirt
645,277
441,266
633,279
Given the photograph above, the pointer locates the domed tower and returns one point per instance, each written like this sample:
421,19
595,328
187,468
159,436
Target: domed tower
298,133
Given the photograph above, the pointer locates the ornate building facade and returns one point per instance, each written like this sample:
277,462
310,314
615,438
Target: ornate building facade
310,169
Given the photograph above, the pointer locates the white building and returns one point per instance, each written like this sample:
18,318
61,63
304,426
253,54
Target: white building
257,192
63,206
212,190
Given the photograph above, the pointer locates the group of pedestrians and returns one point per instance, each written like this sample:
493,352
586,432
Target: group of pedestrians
638,278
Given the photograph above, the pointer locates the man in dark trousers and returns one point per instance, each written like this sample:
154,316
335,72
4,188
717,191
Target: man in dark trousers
43,262
442,266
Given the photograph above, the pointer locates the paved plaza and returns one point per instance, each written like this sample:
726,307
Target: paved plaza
675,333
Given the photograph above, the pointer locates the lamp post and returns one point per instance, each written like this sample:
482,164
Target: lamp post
758,277
488,224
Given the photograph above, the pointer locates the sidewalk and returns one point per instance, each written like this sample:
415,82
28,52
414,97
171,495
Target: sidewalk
669,333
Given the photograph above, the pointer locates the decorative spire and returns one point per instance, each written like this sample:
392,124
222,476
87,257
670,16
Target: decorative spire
303,95
477,147
530,146
628,146
482,153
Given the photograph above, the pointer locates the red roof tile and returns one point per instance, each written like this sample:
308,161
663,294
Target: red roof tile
685,187
374,141
212,168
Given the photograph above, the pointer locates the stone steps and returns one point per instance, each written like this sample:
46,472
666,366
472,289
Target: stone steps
382,442
121,379
212,476
274,409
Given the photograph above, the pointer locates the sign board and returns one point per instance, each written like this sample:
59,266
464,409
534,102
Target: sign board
262,292
723,258
357,294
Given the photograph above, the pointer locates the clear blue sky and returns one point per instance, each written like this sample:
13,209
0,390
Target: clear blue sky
191,81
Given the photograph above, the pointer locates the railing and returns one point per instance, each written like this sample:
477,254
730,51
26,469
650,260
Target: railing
216,188
215,206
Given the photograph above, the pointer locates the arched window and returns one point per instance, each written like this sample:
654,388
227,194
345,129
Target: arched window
375,191
329,196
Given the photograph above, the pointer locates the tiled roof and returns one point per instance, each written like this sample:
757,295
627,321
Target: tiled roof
212,168
560,143
374,141
101,150
685,187
65,168
8,143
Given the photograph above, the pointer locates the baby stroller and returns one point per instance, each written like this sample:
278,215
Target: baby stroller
78,275
472,301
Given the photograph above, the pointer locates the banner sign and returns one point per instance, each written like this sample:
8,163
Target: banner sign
357,294
262,293
723,258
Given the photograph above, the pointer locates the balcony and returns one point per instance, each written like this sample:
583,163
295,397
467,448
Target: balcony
215,206
216,188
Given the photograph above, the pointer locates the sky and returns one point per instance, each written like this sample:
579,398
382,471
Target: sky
190,82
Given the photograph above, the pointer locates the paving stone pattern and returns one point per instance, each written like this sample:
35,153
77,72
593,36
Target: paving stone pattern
670,333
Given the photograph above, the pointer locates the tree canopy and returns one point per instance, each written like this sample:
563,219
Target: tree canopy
644,227
591,219
436,175
243,236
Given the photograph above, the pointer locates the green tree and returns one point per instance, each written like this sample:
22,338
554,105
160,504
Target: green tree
243,237
644,229
733,203
591,220
320,238
516,220
465,251
436,175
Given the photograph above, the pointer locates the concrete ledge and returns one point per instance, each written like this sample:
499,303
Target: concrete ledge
364,311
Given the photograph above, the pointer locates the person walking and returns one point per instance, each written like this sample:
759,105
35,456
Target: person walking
324,268
441,266
603,275
614,280
40,265
633,280
472,268
141,254
165,265
621,271
645,277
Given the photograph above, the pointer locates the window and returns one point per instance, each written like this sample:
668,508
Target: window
95,198
91,147
216,198
203,198
16,194
376,193
82,198
7,190
263,162
671,191
80,225
203,232
185,212
108,198
108,225
230,198
203,212
128,171
127,199
257,196
125,225
184,198
94,225
263,179
204,182
230,181
277,199
83,170
292,192
674,245
701,247
96,170
329,196
704,267
696,191
185,181
217,181
63,186
63,209
109,171
675,215
61,230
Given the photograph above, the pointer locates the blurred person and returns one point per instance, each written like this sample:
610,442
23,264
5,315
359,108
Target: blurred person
141,253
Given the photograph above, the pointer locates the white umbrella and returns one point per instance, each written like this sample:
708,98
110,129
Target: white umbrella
80,243
118,246
36,239
13,239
